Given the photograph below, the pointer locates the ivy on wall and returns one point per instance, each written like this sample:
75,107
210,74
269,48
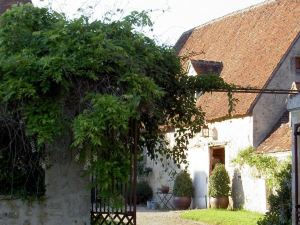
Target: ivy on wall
264,165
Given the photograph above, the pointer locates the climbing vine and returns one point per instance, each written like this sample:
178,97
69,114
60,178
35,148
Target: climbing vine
266,166
96,81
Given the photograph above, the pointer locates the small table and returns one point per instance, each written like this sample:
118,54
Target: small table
164,199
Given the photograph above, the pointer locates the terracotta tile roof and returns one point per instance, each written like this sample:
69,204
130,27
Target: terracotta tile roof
182,40
250,44
5,4
279,139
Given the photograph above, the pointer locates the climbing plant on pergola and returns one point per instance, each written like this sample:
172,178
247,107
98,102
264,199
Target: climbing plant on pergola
95,81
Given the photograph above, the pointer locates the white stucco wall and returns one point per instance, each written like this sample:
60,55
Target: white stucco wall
248,191
160,174
198,157
270,107
234,135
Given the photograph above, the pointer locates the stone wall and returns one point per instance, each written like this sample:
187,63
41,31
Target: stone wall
67,199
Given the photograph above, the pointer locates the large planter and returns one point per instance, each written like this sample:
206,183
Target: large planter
182,203
219,202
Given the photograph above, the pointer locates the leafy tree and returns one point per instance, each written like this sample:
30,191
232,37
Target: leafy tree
101,82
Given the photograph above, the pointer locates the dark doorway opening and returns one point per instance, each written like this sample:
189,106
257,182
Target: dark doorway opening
217,155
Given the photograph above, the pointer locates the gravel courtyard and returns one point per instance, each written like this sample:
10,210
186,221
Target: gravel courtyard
155,217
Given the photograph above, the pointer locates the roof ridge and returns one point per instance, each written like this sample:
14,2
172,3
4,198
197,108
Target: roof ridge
249,8
186,34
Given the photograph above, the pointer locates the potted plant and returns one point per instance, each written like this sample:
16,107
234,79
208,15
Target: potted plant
164,189
219,188
183,191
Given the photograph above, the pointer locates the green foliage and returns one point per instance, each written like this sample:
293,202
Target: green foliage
21,172
280,212
219,182
143,192
183,185
278,177
266,166
100,81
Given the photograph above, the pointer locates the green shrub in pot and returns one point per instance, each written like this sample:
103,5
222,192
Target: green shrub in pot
183,190
219,187
183,185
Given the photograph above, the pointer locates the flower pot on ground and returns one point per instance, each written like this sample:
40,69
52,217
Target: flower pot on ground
164,189
183,191
219,188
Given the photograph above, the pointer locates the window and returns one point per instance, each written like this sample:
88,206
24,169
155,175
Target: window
203,68
297,65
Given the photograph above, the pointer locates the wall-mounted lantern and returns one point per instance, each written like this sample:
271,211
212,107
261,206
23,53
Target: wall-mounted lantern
205,131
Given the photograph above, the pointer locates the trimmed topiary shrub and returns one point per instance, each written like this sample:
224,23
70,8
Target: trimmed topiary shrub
143,192
219,182
183,185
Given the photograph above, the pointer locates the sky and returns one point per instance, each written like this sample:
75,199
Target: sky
171,17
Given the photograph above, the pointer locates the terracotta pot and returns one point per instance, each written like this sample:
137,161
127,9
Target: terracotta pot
219,202
182,203
164,189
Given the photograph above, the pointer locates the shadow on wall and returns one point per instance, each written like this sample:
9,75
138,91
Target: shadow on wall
237,193
200,190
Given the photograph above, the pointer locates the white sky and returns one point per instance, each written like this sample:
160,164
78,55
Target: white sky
171,17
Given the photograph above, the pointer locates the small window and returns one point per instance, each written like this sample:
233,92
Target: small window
297,64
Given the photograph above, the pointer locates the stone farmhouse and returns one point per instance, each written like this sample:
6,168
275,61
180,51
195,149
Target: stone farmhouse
257,47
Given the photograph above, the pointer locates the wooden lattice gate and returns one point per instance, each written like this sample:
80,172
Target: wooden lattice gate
103,210
103,213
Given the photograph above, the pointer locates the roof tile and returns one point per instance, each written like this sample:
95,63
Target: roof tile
279,139
250,44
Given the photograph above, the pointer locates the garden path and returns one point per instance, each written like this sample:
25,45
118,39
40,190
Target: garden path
157,217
